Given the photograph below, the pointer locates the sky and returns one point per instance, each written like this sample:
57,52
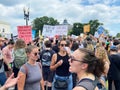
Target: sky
106,11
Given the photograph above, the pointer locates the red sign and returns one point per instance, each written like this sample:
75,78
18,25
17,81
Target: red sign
25,33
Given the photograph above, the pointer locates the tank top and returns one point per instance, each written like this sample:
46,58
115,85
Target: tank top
63,70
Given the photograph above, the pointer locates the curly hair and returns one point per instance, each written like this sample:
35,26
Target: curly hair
102,54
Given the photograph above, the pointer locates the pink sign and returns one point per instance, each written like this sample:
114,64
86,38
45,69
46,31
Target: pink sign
25,33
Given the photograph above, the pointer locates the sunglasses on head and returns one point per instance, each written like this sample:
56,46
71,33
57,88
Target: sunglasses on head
36,54
73,59
63,45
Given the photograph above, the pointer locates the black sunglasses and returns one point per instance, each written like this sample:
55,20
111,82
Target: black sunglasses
36,54
73,59
63,45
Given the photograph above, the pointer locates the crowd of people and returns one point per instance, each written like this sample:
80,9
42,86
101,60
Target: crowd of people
64,63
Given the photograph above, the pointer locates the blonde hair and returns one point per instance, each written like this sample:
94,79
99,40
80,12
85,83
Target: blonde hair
118,47
102,53
20,43
90,47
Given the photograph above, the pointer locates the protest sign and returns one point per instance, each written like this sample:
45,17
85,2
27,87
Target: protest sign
51,31
25,33
86,28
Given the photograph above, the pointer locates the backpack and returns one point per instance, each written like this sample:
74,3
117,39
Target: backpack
46,56
20,58
89,84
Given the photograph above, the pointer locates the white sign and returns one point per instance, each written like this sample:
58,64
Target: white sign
51,31
96,35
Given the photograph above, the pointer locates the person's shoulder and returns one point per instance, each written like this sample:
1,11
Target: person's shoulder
23,68
5,48
79,88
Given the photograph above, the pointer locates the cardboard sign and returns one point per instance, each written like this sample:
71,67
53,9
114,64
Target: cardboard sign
25,33
86,28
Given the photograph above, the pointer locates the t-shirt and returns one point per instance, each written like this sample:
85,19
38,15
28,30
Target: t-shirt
33,77
8,53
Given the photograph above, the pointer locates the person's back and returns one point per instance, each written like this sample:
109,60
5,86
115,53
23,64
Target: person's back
2,71
20,57
114,71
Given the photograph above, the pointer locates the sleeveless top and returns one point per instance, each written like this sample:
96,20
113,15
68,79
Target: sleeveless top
63,70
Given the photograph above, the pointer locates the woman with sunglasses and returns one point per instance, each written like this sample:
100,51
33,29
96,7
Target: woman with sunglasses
88,68
60,65
31,72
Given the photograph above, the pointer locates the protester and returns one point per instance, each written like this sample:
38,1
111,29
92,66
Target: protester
45,58
8,57
20,56
88,68
101,53
60,65
2,71
31,72
114,71
10,82
74,47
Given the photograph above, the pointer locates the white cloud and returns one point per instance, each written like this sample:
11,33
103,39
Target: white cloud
72,10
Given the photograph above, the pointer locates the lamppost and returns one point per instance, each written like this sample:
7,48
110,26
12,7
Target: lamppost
26,14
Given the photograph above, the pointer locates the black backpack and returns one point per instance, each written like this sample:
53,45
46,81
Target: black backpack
46,56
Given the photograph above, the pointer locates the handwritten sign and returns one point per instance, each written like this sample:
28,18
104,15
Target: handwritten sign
25,33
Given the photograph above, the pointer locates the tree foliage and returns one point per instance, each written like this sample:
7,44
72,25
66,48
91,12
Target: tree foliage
77,29
38,23
94,24
118,35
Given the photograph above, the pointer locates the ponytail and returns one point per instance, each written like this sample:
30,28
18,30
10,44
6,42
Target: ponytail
95,65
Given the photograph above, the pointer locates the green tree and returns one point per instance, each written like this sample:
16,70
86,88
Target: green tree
38,23
118,35
94,24
106,32
77,29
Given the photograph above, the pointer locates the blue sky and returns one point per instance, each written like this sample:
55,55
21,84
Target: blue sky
106,11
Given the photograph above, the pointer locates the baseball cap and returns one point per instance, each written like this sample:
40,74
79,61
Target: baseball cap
113,47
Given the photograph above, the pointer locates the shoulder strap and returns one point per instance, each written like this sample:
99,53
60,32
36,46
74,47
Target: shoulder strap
87,83
39,65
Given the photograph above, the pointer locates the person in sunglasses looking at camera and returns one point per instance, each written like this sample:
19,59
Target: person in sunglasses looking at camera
60,64
88,68
31,72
